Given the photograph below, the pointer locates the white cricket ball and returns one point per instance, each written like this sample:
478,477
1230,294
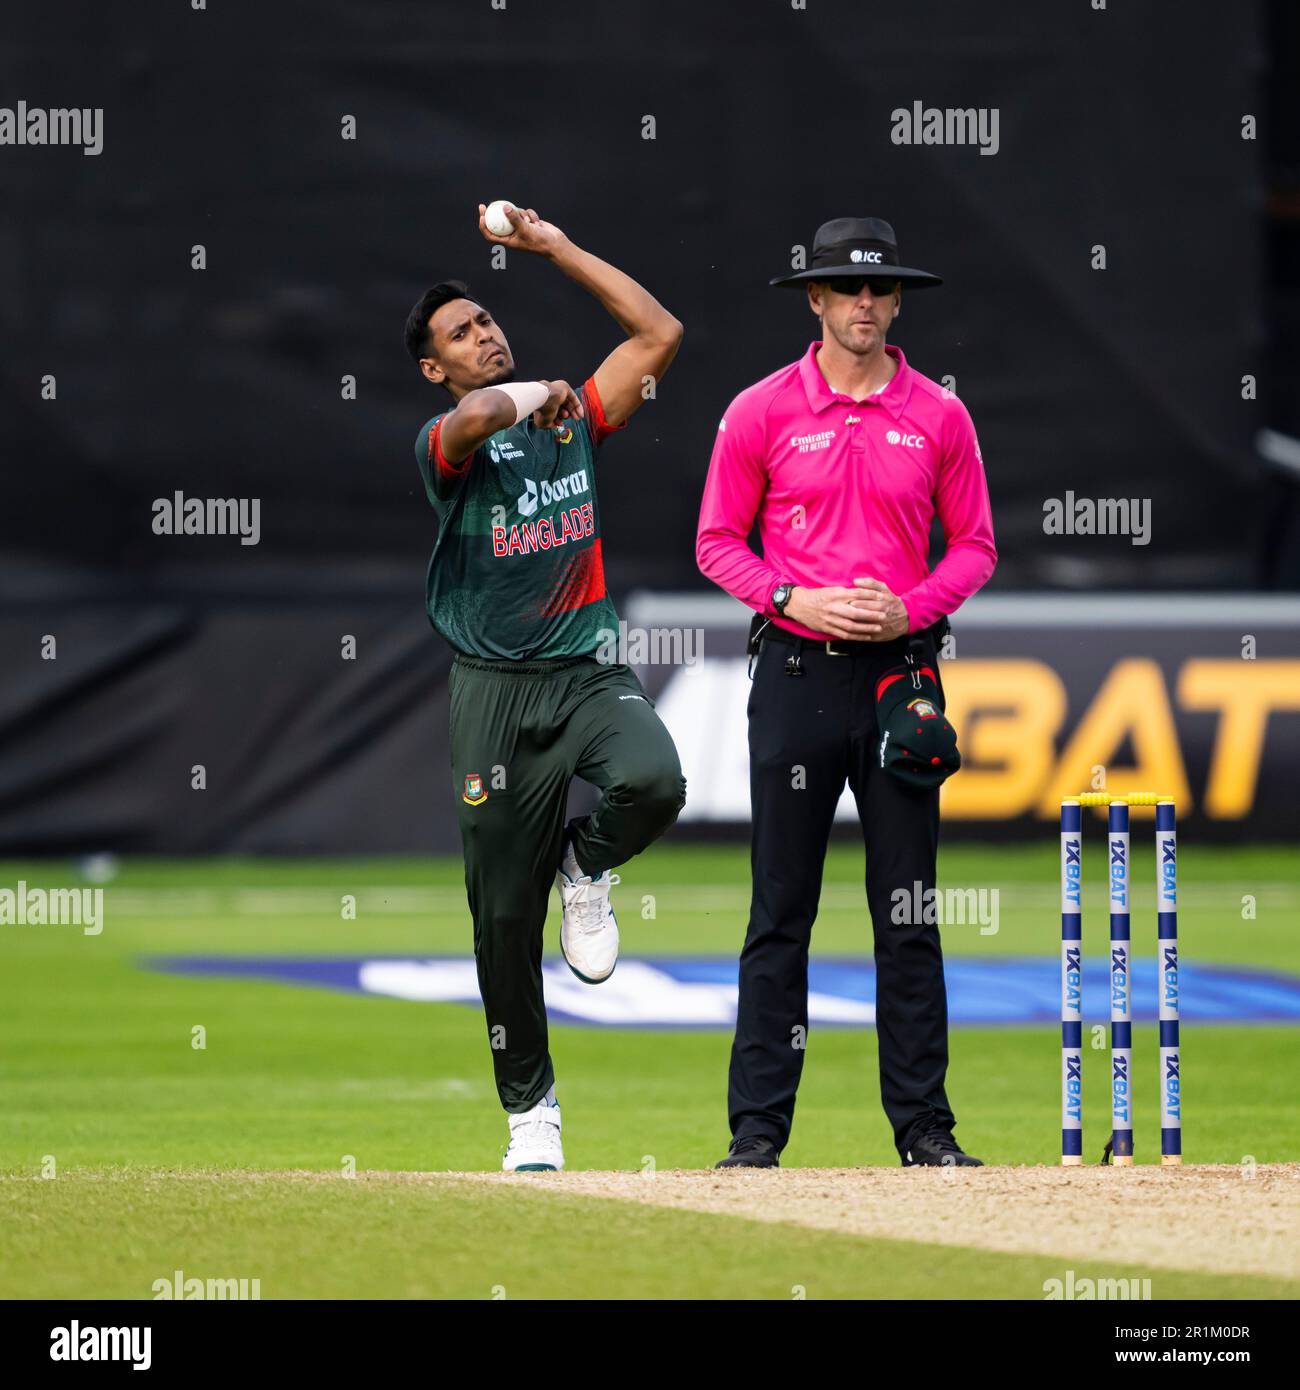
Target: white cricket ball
495,219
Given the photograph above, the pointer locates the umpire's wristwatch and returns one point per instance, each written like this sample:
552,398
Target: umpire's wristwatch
780,597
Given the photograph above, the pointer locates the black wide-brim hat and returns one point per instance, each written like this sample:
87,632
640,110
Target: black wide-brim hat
856,246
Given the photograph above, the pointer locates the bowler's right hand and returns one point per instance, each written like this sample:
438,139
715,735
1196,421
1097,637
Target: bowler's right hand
562,403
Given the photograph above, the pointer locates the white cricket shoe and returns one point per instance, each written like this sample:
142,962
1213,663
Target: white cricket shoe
535,1141
589,932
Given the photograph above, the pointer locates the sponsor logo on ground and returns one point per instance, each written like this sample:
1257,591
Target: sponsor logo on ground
700,992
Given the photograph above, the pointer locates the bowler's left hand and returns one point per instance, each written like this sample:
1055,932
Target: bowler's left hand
881,605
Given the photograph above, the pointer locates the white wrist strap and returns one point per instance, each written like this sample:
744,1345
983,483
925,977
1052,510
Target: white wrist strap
526,395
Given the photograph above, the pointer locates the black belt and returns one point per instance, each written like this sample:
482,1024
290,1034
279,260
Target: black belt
835,646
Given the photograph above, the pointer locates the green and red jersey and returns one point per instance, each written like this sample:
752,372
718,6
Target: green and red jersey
516,572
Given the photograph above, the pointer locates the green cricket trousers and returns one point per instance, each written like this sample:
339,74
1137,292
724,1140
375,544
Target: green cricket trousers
520,732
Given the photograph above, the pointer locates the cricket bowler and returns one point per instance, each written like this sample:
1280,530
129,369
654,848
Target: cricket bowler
516,585
843,459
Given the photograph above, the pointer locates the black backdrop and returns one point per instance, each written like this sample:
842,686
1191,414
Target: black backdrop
1119,127
222,128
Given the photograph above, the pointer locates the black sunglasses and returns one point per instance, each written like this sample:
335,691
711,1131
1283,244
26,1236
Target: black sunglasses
843,284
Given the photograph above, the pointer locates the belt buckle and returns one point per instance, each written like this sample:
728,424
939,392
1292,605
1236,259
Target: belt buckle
830,647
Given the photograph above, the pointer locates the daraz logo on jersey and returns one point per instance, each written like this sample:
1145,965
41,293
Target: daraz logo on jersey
527,499
571,486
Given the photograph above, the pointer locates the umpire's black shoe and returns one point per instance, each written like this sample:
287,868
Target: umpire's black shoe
933,1146
751,1151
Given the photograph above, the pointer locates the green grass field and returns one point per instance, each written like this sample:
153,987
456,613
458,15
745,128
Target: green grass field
100,1083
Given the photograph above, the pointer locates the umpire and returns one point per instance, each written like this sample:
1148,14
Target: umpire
842,459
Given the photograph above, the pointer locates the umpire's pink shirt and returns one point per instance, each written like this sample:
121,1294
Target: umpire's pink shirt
845,489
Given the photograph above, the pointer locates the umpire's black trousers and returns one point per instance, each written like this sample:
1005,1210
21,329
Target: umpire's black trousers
809,733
